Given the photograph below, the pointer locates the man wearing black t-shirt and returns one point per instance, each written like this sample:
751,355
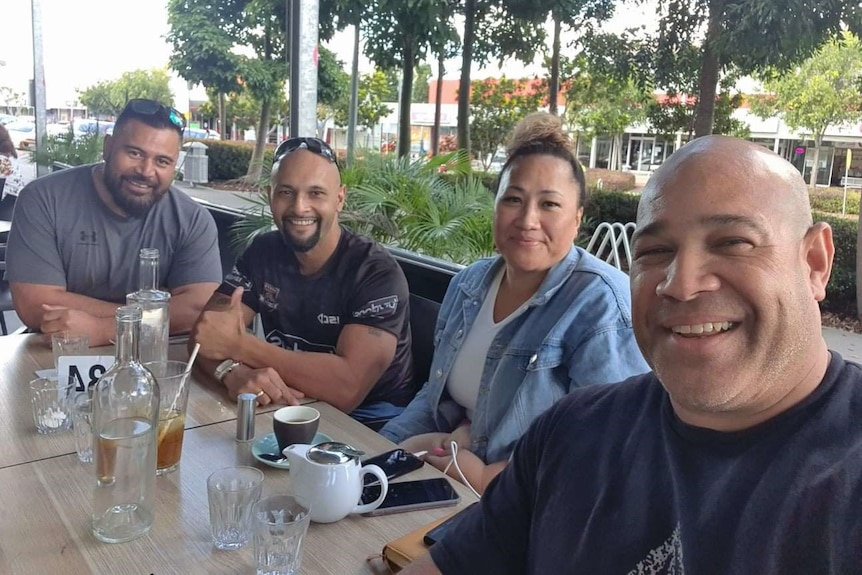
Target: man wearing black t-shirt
333,304
742,452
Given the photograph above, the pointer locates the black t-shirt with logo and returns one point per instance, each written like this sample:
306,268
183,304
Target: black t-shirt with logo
610,480
360,284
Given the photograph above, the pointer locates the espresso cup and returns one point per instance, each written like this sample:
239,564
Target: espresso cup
295,424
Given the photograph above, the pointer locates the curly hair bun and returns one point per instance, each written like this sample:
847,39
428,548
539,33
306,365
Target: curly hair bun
539,130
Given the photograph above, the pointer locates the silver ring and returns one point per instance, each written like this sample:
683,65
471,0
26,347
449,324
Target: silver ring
260,393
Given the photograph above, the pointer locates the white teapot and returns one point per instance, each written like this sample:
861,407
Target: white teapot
329,476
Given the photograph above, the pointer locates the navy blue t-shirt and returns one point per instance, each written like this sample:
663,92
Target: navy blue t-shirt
359,284
610,481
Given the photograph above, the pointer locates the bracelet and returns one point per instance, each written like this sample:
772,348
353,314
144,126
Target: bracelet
225,368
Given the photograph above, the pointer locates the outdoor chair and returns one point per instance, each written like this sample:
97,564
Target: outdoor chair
5,293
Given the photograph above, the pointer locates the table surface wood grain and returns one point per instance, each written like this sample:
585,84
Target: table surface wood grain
47,492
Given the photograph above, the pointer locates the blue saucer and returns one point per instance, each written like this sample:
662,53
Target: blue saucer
268,444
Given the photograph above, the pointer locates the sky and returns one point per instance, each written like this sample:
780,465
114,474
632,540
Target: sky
86,41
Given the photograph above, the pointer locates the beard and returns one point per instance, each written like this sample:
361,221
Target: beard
300,245
133,205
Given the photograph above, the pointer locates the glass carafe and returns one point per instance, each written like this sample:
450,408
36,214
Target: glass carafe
155,303
125,419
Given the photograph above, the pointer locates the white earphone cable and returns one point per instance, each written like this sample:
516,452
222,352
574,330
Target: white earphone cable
454,460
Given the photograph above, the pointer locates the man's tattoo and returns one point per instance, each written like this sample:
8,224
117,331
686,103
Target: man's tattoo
375,332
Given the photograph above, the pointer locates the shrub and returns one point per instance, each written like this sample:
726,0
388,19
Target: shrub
832,200
841,291
611,180
229,160
67,149
605,206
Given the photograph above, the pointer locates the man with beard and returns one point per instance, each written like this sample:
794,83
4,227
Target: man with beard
742,452
76,234
333,304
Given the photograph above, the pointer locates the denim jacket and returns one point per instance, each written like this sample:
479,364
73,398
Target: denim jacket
576,331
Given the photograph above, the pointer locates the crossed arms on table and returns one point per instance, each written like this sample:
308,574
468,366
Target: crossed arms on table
342,379
50,309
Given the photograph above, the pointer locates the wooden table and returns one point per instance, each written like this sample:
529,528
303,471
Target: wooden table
47,491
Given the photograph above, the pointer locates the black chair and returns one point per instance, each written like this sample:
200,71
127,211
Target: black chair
5,293
423,318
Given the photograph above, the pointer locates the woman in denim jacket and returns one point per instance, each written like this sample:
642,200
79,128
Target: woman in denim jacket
518,331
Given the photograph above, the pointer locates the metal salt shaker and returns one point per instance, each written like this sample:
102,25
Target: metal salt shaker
245,416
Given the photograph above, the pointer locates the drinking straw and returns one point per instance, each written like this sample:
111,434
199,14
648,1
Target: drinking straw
186,373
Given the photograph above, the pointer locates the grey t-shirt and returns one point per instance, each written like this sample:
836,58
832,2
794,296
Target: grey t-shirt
63,234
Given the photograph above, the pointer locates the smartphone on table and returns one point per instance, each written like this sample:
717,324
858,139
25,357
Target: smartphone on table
412,496
394,464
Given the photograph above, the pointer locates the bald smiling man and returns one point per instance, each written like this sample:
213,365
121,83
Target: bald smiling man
742,451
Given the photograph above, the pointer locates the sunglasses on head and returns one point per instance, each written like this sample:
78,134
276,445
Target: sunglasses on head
144,107
315,145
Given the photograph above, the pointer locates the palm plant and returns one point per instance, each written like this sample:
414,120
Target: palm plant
408,205
404,204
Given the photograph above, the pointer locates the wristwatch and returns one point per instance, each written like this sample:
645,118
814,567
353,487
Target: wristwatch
225,368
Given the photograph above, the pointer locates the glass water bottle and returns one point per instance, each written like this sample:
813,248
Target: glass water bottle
125,419
155,326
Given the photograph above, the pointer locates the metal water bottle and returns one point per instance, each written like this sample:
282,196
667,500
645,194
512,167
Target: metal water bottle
125,420
155,325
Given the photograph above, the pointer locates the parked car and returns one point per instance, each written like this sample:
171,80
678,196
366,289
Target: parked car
6,119
22,133
84,126
200,134
57,129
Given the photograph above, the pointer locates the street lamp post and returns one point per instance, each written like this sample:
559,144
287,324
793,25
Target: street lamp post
41,112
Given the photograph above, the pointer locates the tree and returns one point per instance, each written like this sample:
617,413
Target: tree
496,106
398,34
333,87
211,41
824,90
12,99
599,103
577,15
420,83
748,35
107,98
502,34
373,90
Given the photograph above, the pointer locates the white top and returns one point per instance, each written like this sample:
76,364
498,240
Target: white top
465,377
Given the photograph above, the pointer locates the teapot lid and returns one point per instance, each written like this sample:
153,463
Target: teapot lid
333,453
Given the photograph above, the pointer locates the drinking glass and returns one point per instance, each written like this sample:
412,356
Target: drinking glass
280,524
51,398
174,395
232,493
82,411
67,343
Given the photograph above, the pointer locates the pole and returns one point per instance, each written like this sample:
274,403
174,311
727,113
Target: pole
303,67
846,172
41,111
354,98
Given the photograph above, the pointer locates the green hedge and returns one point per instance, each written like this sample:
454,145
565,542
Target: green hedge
841,291
229,160
609,180
832,201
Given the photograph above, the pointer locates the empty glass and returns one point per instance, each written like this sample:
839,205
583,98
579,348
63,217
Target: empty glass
67,343
280,524
82,411
232,493
51,399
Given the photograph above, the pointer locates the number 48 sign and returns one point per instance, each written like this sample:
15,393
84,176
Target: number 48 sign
85,369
